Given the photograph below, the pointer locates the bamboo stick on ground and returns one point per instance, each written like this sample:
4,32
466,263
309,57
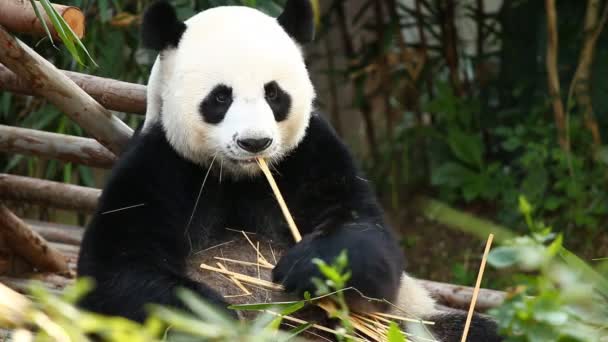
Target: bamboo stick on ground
48,193
56,146
19,16
477,286
29,244
112,94
51,83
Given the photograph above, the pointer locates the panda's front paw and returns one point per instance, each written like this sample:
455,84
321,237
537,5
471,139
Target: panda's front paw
374,260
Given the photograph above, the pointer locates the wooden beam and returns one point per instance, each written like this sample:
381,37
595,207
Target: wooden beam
112,94
48,193
51,83
55,232
56,146
29,244
19,16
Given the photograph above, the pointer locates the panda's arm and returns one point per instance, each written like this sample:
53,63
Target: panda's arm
336,210
134,248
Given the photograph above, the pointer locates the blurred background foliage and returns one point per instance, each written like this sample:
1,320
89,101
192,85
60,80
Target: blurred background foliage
441,98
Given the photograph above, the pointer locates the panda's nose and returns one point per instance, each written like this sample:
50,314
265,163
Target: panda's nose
254,145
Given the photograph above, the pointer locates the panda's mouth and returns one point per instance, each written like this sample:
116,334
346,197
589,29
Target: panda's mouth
246,161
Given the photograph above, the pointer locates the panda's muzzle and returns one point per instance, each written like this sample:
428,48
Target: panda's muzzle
254,145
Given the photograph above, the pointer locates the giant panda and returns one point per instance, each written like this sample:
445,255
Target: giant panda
230,85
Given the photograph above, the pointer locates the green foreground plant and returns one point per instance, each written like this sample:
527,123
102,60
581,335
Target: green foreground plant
558,297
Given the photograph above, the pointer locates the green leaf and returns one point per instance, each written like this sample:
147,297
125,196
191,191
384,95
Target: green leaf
202,309
394,334
503,256
468,148
78,51
297,330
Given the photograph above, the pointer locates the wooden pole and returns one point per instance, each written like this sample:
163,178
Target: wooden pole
29,244
51,83
19,16
553,76
55,232
48,193
57,146
112,94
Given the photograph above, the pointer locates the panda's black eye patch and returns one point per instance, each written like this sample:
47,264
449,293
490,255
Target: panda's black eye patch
216,104
278,100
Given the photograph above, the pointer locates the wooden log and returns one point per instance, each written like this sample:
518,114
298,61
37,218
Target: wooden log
48,193
29,244
459,297
54,232
63,93
51,281
19,16
57,146
112,94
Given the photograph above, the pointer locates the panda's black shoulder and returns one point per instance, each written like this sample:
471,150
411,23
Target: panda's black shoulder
321,151
147,166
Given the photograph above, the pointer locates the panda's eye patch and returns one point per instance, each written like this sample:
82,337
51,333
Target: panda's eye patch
278,100
216,104
270,90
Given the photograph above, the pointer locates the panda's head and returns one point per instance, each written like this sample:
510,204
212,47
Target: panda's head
230,83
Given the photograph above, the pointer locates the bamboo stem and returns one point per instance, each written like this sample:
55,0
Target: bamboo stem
245,278
477,286
292,224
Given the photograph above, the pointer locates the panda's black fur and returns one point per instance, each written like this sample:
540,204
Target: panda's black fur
137,255
158,209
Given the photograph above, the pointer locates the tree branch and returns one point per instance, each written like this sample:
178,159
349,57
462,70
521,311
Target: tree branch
553,76
19,16
51,83
57,146
29,244
48,193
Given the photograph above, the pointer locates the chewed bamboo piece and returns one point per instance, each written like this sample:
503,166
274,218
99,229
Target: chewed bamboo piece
484,259
292,224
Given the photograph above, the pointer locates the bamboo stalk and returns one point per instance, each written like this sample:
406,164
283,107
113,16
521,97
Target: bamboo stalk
275,188
484,259
29,244
19,16
234,280
51,83
112,94
56,146
48,193
246,263
245,278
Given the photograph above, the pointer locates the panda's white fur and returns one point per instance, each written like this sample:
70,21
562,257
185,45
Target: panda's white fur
214,51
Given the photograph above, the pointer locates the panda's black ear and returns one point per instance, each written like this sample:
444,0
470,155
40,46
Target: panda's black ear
298,20
160,28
